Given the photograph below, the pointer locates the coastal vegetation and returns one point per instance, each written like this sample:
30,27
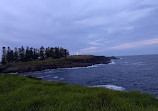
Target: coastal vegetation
19,93
68,62
31,54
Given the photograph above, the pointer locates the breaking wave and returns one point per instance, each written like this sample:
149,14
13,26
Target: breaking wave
113,87
93,66
112,62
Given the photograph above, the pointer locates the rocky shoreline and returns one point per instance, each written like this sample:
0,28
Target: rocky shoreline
70,62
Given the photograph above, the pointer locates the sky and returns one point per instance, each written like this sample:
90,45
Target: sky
98,27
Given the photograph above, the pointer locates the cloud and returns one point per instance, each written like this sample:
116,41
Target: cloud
96,42
77,24
135,44
86,50
89,49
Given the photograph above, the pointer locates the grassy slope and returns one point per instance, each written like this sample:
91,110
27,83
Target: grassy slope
19,93
71,61
47,61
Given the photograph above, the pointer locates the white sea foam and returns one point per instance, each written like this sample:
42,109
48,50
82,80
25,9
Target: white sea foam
100,64
50,72
71,68
126,63
112,62
138,63
61,78
114,87
43,76
93,66
45,72
55,77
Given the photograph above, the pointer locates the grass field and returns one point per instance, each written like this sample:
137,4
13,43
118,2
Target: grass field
18,93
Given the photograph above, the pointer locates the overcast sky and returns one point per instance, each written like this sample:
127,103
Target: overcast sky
99,27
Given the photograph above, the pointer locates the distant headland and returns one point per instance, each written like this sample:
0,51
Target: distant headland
22,60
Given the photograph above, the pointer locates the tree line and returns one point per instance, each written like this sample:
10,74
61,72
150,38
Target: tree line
30,53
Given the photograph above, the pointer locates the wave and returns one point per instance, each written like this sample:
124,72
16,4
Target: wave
93,66
43,76
61,78
138,63
55,77
113,87
112,62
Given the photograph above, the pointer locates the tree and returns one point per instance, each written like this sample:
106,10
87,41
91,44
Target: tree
31,53
27,56
61,52
16,55
22,54
66,53
35,54
47,52
9,55
52,52
3,55
57,53
41,53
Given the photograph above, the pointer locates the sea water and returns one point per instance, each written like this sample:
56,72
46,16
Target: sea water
129,73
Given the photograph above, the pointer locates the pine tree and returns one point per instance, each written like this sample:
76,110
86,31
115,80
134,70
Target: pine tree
52,53
66,53
16,55
31,54
11,56
57,53
47,52
35,54
22,54
27,54
8,55
61,52
4,56
41,53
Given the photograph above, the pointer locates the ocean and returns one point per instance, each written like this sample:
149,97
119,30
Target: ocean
129,73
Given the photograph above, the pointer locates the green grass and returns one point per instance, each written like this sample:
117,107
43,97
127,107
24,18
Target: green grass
54,61
18,93
80,57
48,61
70,61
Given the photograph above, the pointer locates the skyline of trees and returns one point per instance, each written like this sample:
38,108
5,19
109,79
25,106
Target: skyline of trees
30,53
